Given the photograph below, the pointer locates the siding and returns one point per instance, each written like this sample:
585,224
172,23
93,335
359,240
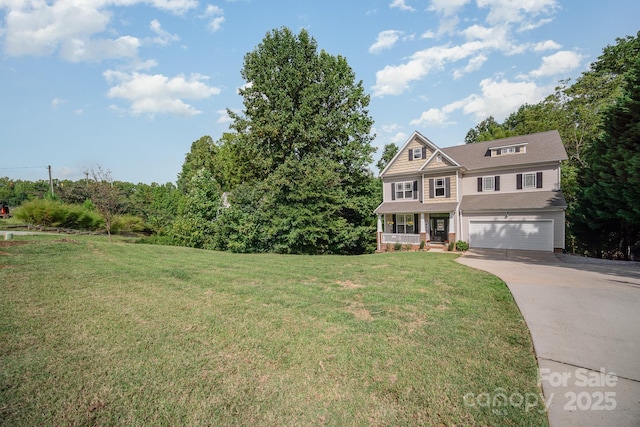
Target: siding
403,164
550,181
453,188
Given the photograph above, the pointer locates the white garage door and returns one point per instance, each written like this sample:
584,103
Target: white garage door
534,235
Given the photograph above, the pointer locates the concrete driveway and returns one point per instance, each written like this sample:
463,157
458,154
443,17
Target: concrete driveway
585,325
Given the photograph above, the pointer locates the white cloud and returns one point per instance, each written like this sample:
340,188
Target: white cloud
559,63
520,12
152,94
498,98
223,117
474,64
394,80
74,27
96,50
218,19
386,40
164,37
401,4
57,102
546,45
447,7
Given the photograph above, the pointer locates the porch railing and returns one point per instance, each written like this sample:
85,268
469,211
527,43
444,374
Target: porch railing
405,239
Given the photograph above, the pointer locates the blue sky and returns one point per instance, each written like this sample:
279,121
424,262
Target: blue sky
128,85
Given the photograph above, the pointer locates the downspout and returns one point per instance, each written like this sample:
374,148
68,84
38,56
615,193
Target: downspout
457,213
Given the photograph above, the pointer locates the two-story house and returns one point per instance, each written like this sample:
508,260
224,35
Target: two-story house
496,194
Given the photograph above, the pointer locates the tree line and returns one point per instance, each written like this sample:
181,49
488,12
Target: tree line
292,174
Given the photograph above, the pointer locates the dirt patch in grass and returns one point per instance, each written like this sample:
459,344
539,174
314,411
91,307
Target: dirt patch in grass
349,284
66,240
358,310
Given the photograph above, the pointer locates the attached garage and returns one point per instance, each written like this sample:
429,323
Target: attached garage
534,235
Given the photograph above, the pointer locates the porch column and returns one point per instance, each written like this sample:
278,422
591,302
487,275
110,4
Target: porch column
423,228
427,228
379,233
451,235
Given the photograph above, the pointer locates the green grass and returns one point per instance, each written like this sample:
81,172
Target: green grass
93,333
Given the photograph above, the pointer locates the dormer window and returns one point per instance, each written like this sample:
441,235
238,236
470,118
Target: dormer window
509,149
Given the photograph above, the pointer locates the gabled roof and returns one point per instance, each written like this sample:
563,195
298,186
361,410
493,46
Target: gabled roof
513,201
540,148
415,135
436,153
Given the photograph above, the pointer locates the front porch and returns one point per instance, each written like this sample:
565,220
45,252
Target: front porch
415,230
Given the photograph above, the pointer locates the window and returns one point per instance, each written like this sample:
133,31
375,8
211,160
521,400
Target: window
488,183
529,180
404,190
438,158
439,187
405,224
508,150
417,153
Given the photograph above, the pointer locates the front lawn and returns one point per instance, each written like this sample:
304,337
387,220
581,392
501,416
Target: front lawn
93,333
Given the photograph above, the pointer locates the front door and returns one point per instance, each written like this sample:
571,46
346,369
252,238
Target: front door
439,228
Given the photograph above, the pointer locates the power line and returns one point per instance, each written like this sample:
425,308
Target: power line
25,167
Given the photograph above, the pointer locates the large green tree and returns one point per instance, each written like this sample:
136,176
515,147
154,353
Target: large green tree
305,120
609,195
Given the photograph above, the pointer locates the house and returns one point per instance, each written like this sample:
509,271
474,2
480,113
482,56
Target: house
496,194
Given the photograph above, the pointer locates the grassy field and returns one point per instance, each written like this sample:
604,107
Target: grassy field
93,333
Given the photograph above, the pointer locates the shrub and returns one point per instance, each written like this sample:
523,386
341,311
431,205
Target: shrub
462,246
451,245
128,224
422,243
397,246
52,213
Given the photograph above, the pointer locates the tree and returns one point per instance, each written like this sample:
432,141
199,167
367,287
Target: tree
305,119
611,184
202,204
105,196
487,130
202,155
388,153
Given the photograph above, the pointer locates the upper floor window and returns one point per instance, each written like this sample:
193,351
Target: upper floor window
405,190
417,153
439,187
489,183
439,158
513,149
529,180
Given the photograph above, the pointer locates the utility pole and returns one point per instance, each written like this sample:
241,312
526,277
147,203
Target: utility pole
50,180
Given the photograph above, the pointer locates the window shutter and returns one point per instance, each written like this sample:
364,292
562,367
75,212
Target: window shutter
415,189
416,224
393,191
539,180
393,219
447,187
519,181
424,152
497,183
479,184
431,190
410,154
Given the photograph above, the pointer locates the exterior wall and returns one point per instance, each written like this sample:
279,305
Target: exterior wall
453,188
557,216
403,164
550,179
434,164
386,187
